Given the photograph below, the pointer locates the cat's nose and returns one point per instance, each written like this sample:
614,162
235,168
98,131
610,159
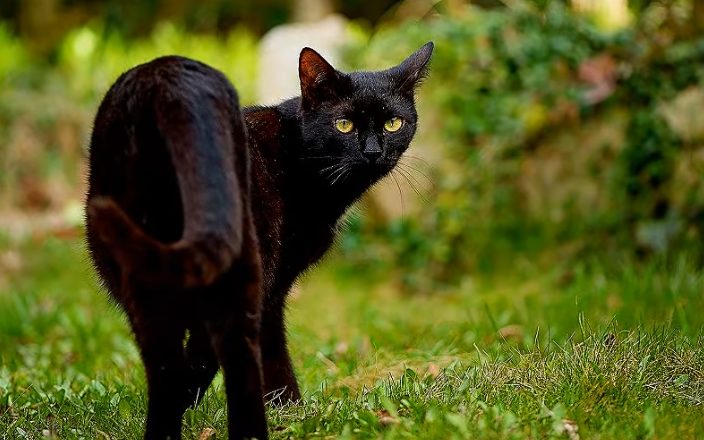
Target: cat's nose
372,150
372,156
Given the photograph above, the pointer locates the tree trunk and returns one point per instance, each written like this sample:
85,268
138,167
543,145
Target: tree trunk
312,10
42,23
698,17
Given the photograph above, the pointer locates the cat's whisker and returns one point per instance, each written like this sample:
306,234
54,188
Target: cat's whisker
322,157
345,171
410,168
400,193
422,169
419,159
335,165
330,170
335,174
405,175
425,185
334,170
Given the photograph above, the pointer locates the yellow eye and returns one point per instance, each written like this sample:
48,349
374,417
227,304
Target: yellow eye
344,125
393,124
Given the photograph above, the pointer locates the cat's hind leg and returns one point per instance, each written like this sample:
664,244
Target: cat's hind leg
235,338
202,362
160,339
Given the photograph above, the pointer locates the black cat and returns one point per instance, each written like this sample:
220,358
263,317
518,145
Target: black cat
201,215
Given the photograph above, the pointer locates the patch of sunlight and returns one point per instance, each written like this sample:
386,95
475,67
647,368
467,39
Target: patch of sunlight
84,43
609,14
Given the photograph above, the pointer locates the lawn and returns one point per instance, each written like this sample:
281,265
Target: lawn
595,349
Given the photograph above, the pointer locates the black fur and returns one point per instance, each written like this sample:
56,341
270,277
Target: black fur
201,215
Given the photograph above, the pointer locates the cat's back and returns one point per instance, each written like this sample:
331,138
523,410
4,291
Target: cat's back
167,113
168,79
157,100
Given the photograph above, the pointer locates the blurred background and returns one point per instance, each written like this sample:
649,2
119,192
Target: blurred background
554,195
550,130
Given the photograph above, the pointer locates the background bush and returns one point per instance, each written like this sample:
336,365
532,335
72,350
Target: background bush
545,136
47,105
556,136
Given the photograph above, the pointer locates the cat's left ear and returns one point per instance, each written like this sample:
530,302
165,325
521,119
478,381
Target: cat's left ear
413,69
318,77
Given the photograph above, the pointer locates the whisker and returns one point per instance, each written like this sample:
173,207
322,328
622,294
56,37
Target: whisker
322,157
335,165
410,183
419,159
421,169
334,174
400,193
410,171
337,169
345,172
429,182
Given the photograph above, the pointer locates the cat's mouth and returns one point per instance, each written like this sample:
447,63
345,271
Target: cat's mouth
376,164
361,170
377,169
386,166
385,163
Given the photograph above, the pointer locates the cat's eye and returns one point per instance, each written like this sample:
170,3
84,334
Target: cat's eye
393,124
344,125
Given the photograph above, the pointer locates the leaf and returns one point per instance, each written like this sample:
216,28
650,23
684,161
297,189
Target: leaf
459,421
206,433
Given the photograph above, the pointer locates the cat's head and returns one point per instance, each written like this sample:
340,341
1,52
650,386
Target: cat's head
356,126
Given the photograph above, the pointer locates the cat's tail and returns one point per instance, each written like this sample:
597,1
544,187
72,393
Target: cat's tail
212,204
183,264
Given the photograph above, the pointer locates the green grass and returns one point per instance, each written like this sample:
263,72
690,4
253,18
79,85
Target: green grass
587,350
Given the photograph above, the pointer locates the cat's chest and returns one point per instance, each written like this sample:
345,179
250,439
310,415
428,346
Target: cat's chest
290,240
305,241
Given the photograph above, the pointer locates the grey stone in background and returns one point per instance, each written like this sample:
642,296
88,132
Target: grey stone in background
279,50
311,10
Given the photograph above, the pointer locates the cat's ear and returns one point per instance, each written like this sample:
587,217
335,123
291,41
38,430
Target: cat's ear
413,69
318,77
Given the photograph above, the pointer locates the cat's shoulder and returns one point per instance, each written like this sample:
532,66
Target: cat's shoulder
264,121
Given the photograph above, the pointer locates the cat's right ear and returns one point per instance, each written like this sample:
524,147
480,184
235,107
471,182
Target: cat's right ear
410,73
318,77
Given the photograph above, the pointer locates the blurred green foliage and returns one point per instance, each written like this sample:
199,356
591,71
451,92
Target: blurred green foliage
91,62
47,105
13,52
89,59
560,154
550,134
44,23
512,89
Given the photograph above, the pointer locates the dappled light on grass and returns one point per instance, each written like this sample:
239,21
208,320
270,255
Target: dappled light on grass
547,283
499,360
647,383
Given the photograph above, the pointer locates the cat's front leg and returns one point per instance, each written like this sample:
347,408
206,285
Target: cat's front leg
280,385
